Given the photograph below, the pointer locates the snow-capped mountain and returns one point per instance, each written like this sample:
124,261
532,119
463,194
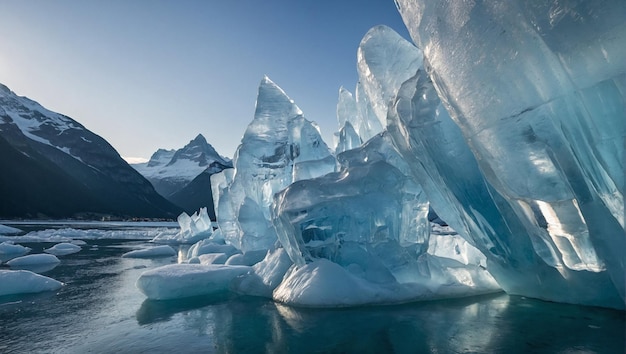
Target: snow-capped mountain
55,167
183,175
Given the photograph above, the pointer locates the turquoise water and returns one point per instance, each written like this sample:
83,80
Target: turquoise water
99,310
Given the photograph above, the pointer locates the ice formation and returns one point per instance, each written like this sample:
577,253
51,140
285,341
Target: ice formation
540,148
152,252
192,228
24,281
63,248
509,124
279,147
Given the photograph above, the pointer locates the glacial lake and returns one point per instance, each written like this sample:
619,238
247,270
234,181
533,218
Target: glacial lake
99,310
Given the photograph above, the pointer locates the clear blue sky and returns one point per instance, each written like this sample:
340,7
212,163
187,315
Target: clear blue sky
146,74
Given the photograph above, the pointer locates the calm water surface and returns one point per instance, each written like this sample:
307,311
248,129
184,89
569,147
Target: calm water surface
99,310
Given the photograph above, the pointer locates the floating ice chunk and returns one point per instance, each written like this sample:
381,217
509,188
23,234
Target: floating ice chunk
8,230
62,249
192,228
158,251
10,250
38,263
32,259
24,281
176,281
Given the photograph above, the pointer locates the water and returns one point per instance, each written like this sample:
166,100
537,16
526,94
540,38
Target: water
100,311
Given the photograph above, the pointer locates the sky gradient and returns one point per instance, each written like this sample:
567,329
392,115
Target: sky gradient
148,74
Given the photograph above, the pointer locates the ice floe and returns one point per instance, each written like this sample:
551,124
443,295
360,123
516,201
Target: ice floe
24,281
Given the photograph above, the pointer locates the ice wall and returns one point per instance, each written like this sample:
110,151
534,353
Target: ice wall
537,92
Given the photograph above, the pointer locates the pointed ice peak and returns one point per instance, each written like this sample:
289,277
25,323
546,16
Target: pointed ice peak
273,109
269,89
384,61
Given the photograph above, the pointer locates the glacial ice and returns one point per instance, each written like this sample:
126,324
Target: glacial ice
152,252
279,147
541,144
509,124
175,281
62,249
24,281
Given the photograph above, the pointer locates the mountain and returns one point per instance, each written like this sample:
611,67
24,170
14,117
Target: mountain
53,167
183,176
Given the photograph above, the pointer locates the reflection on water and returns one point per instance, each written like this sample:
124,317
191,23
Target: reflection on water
101,311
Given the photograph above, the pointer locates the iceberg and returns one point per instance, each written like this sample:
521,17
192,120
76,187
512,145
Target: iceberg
506,120
24,281
152,252
63,248
538,131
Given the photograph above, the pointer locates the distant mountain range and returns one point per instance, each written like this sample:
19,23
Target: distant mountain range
183,176
53,167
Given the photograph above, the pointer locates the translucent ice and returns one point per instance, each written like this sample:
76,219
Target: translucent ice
366,228
24,281
536,92
193,228
384,61
279,146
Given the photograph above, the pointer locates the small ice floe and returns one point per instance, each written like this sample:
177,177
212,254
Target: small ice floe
62,249
9,250
8,230
24,281
35,262
153,252
177,281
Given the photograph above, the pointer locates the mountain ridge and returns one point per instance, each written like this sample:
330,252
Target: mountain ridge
66,157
